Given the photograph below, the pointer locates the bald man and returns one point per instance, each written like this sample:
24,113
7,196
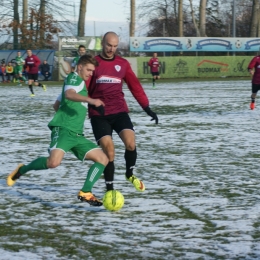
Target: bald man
107,85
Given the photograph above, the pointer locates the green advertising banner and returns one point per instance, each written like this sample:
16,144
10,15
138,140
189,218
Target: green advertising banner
197,67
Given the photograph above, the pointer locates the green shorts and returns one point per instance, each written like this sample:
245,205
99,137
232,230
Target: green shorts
66,140
18,70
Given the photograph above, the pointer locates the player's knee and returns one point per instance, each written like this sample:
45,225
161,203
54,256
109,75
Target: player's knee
103,159
52,163
130,146
98,156
110,154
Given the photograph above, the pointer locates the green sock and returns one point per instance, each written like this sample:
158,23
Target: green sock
38,164
94,174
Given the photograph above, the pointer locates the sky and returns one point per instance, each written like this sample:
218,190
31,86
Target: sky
113,10
113,16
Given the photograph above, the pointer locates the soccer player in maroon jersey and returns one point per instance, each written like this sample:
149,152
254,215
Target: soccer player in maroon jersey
154,65
106,84
32,62
254,70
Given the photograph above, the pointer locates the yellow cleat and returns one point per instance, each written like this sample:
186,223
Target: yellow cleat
13,176
44,87
32,95
89,198
139,185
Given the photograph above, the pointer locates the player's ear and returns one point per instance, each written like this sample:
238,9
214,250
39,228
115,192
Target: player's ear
79,67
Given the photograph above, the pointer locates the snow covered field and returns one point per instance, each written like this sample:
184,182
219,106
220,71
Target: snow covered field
200,166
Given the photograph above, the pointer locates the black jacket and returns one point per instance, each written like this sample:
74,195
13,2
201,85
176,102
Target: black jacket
45,67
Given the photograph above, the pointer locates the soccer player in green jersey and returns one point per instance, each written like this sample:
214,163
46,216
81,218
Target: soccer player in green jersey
19,68
81,51
67,132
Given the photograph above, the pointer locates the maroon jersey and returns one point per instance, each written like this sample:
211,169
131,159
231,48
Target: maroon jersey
154,64
33,63
255,64
107,85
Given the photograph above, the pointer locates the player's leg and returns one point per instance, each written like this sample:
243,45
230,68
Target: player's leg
154,78
102,130
41,163
86,149
20,71
125,129
30,82
37,83
61,142
255,88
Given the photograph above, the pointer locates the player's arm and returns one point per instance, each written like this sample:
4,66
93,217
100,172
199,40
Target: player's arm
56,105
73,65
138,92
72,95
251,66
37,62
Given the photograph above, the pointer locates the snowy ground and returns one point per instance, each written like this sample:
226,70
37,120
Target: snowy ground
200,166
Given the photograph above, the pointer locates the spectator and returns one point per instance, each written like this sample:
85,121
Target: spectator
9,72
3,72
45,70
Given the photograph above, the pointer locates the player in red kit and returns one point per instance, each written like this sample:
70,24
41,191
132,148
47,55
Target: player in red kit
254,70
107,85
154,65
32,62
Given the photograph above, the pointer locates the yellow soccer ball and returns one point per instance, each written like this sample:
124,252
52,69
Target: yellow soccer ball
113,200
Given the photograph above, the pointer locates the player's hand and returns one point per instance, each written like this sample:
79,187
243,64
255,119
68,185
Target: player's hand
101,110
152,114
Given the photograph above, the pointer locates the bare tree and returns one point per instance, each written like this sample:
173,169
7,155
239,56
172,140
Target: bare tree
24,23
15,24
42,13
132,18
194,19
180,18
202,15
255,18
82,15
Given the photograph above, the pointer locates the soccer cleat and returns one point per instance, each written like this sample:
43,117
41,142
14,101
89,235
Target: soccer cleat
13,176
32,95
139,185
89,198
44,87
252,105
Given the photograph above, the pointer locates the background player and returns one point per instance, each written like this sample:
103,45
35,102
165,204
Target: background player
154,65
254,70
33,63
81,51
19,68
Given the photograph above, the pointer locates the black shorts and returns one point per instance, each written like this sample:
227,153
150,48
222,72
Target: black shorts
104,125
255,88
33,77
155,73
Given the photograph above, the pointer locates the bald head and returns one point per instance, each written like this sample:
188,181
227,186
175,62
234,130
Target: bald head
109,45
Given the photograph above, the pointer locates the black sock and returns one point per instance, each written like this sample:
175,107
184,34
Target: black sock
109,175
153,81
31,88
253,100
130,160
40,85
